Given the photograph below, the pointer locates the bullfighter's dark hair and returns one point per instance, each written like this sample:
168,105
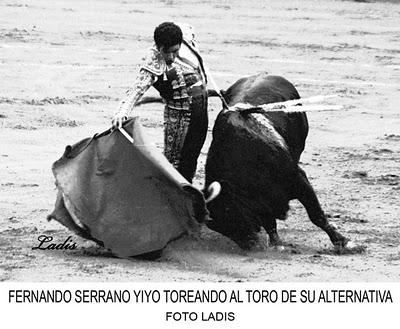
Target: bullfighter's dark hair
167,34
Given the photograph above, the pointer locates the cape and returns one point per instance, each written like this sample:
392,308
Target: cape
126,197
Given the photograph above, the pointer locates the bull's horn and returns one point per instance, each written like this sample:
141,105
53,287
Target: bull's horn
214,189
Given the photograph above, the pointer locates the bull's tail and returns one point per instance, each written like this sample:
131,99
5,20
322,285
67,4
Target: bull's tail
150,99
157,99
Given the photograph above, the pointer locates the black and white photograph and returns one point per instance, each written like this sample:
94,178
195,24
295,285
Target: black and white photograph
205,142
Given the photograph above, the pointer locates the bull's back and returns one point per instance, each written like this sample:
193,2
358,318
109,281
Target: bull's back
262,89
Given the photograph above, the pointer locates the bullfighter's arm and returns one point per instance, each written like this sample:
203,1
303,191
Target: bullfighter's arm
143,82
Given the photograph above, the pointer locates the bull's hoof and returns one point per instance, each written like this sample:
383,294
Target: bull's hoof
340,243
275,240
349,248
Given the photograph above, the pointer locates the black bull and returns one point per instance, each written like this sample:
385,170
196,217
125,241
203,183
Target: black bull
254,155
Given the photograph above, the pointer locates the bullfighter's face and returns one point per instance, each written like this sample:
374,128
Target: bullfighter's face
170,54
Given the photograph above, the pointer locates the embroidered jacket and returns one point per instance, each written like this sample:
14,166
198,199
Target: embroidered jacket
169,81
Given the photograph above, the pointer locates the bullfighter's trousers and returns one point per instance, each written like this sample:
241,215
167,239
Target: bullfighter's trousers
185,132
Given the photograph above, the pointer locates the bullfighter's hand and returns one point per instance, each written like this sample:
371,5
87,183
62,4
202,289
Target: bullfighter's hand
118,120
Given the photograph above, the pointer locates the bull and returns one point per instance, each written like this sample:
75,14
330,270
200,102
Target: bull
254,157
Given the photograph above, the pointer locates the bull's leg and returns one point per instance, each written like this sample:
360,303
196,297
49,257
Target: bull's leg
270,227
306,195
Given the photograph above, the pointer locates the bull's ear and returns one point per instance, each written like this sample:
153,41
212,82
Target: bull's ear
212,93
225,100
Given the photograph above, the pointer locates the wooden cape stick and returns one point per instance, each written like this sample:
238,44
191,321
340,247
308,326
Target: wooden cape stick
127,136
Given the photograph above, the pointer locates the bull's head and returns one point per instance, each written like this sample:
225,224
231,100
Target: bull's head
230,215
